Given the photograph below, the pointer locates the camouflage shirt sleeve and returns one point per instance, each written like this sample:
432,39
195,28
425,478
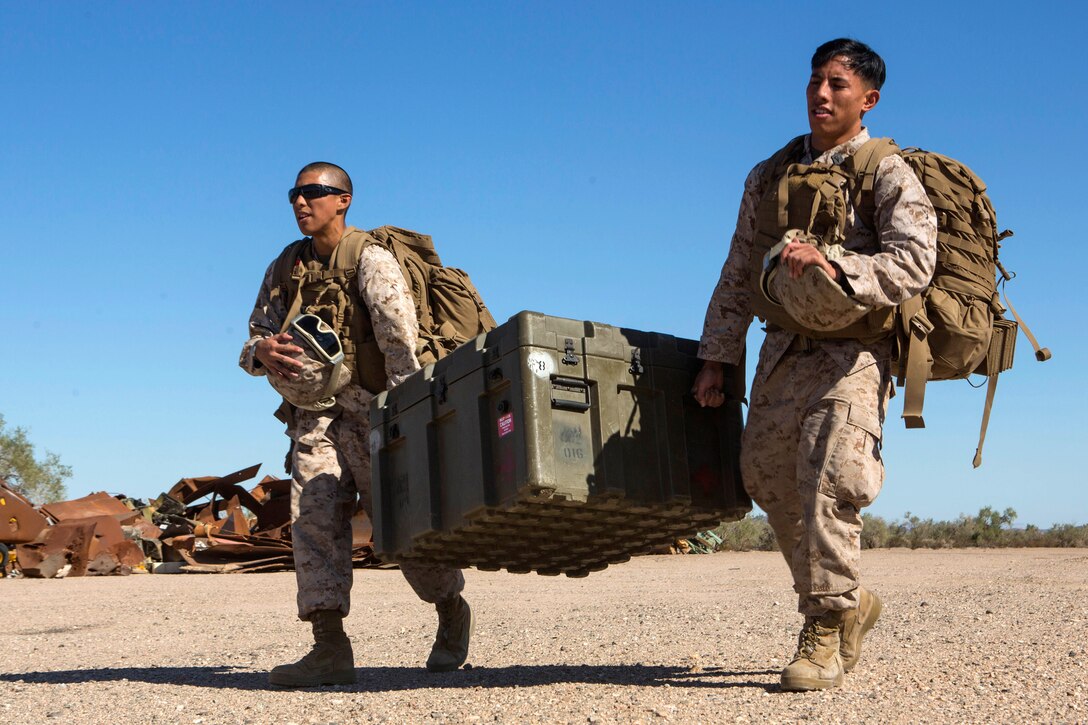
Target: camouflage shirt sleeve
907,234
266,320
730,312
392,312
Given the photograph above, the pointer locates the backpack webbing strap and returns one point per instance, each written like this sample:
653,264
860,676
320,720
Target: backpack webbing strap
784,200
917,328
296,305
777,165
865,162
281,276
991,388
1042,354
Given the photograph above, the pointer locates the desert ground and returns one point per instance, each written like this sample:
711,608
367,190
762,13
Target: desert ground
975,636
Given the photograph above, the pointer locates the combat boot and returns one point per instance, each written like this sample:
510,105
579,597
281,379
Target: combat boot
330,662
455,623
817,664
855,624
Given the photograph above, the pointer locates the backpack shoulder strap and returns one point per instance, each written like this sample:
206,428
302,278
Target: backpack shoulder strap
351,245
281,279
862,166
281,268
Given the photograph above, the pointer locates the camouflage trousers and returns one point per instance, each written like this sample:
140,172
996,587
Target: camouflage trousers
810,458
329,477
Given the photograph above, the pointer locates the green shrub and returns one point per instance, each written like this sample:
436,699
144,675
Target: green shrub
989,528
751,533
875,532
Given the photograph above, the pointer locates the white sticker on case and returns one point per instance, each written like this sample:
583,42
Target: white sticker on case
541,364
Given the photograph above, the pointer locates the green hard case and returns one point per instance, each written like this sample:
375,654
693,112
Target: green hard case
553,445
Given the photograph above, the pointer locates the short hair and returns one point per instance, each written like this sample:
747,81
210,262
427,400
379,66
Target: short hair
335,174
857,56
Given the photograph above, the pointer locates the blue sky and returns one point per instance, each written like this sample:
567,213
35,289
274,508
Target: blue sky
580,159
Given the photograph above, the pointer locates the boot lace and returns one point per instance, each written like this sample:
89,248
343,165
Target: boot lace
810,637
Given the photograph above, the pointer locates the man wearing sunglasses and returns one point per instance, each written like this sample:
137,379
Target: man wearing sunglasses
330,455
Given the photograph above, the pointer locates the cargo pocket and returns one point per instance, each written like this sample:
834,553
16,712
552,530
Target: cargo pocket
853,470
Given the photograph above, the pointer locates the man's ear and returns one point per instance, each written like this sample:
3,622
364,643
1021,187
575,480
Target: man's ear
872,97
343,201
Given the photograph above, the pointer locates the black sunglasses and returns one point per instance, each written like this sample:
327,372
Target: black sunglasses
313,191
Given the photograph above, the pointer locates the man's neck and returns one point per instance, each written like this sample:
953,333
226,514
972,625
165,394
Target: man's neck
818,147
820,144
326,239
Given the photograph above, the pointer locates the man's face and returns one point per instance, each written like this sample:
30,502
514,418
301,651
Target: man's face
313,215
837,99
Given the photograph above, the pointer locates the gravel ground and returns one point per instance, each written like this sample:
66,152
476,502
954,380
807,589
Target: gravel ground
966,636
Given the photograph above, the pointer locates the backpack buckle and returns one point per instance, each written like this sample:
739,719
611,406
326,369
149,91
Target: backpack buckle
921,324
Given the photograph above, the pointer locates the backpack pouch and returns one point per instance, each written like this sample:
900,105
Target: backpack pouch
961,333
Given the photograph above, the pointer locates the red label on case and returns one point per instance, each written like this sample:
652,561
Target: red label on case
506,425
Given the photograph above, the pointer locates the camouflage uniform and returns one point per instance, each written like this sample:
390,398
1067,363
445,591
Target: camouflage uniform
331,453
810,455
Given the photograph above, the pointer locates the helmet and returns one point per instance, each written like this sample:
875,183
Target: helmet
813,300
323,373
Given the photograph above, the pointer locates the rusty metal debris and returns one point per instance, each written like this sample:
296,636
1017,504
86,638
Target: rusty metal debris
22,522
207,524
705,542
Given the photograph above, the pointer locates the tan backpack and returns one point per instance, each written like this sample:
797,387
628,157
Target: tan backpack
956,326
449,309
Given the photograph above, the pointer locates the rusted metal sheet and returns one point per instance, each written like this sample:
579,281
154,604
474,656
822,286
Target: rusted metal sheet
361,530
143,529
226,545
59,550
274,517
20,522
270,487
190,489
274,563
95,504
94,545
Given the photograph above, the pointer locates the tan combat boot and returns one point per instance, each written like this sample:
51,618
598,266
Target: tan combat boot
817,664
855,624
330,662
455,623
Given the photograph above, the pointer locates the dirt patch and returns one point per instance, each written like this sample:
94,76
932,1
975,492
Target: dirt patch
966,636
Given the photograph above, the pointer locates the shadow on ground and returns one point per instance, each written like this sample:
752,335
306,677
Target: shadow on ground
391,679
